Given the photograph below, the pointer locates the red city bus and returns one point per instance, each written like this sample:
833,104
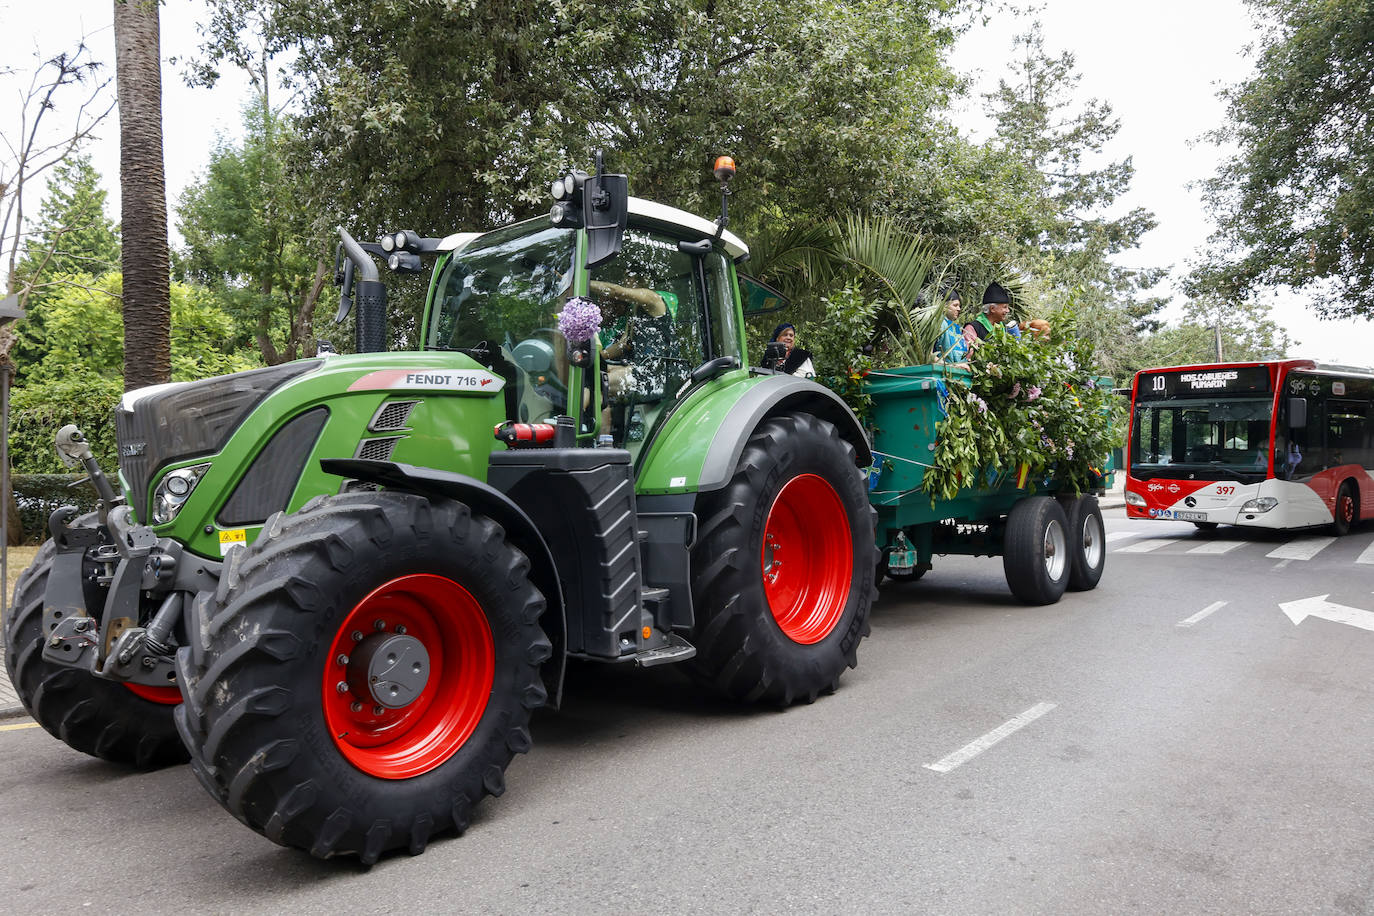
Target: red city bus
1277,444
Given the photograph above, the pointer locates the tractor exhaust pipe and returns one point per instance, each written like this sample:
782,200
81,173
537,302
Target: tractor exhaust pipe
370,324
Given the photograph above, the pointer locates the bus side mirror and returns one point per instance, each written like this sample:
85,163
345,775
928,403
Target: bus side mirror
1297,413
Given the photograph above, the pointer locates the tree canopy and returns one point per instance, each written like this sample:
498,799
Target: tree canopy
1295,204
458,115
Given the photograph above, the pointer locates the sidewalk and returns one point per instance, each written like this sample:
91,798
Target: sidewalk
9,700
1115,497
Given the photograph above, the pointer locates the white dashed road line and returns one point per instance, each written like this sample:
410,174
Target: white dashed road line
974,748
1118,535
1205,612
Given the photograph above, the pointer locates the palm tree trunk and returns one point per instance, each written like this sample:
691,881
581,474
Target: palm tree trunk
143,196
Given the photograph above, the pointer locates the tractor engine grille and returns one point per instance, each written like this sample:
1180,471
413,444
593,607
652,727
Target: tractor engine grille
377,449
392,416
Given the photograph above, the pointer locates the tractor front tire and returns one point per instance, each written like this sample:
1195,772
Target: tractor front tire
364,673
783,567
102,718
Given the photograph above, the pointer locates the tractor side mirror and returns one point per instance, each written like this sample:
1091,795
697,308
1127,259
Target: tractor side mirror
605,210
774,355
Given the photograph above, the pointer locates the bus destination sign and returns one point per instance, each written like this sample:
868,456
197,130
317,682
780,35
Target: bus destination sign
1193,383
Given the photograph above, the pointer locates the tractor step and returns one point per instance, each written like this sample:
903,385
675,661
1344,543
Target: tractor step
677,650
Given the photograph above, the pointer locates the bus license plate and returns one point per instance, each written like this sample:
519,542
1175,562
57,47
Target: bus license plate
901,559
1191,516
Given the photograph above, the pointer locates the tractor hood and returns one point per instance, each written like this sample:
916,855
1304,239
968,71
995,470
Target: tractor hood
165,423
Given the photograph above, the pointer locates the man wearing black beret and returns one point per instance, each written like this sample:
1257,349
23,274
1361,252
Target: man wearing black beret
996,305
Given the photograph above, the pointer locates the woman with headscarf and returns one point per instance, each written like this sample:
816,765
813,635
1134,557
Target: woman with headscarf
798,361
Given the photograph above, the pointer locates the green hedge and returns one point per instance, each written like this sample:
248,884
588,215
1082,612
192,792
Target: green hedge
39,495
38,411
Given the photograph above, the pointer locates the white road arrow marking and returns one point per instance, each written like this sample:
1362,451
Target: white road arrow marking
1318,606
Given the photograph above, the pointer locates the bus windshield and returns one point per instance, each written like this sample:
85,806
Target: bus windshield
1220,438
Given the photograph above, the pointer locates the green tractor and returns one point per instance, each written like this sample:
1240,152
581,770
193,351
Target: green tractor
342,585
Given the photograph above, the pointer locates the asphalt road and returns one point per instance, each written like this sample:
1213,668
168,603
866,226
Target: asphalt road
1169,742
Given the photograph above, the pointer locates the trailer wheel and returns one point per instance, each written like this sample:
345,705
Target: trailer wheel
102,718
364,673
1037,559
1346,512
1087,542
783,568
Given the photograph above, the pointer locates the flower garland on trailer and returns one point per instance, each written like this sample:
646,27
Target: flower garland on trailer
1031,406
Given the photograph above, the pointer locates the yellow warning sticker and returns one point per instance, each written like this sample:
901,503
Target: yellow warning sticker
232,537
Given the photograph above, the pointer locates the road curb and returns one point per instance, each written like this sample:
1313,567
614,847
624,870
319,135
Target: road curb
12,712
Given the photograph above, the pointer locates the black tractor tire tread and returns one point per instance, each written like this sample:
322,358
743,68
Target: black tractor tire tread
246,640
736,655
97,717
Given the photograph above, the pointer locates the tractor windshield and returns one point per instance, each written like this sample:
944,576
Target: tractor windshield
499,297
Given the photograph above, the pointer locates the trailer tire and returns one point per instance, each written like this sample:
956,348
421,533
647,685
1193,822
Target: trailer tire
1037,558
771,629
285,725
1087,542
1345,514
102,718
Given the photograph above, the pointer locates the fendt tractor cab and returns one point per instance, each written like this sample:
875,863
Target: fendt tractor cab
343,584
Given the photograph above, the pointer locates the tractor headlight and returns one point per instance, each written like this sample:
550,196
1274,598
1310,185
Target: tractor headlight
173,491
1263,504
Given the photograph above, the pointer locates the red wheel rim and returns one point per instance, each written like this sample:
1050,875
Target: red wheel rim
167,696
1346,508
808,559
416,738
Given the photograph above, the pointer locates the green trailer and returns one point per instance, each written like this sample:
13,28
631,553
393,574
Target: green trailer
1049,540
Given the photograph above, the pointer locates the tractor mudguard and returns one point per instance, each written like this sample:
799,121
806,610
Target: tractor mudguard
727,413
494,504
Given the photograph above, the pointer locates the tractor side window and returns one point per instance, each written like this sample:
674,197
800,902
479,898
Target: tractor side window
725,330
653,330
498,299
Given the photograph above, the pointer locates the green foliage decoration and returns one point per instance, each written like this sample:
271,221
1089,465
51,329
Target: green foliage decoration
1031,401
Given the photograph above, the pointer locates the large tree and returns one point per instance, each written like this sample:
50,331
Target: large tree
456,115
143,195
1244,331
71,243
1064,230
1295,204
246,230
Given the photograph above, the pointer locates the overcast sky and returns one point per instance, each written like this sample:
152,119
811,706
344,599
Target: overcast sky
1159,65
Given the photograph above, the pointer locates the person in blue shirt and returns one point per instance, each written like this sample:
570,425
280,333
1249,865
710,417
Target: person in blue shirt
952,347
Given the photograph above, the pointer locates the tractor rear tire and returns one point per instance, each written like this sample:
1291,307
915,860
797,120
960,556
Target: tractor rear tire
1087,542
1037,558
301,720
102,718
783,567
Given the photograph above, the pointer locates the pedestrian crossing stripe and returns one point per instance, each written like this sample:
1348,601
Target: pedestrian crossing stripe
1301,547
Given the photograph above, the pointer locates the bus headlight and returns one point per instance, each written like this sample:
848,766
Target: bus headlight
1135,499
1262,504
173,491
